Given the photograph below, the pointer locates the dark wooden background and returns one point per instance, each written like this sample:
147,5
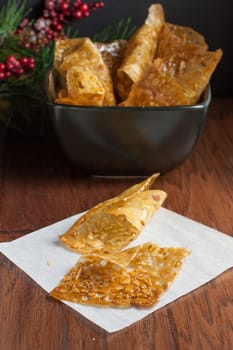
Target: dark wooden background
38,187
212,18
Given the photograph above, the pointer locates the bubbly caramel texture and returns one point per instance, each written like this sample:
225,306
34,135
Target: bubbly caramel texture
138,276
175,80
175,39
113,224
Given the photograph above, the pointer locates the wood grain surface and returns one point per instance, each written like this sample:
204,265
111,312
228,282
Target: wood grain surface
38,187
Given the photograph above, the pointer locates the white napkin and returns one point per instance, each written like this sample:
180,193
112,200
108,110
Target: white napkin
42,257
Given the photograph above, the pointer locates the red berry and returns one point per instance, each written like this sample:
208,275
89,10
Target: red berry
83,7
53,13
64,6
31,66
31,60
27,45
86,13
54,35
23,60
76,3
66,14
9,66
54,22
11,59
49,5
48,30
18,31
24,23
16,64
2,67
2,76
95,5
58,27
19,71
61,17
8,74
77,14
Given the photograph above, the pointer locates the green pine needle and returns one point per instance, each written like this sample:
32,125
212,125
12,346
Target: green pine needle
71,34
122,29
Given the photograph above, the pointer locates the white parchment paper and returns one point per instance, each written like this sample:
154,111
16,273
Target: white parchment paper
40,255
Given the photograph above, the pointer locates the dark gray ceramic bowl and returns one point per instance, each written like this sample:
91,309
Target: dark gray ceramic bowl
128,141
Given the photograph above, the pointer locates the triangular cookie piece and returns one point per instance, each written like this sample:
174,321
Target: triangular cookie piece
113,224
140,281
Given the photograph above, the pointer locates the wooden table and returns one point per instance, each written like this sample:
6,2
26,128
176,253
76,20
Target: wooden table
38,187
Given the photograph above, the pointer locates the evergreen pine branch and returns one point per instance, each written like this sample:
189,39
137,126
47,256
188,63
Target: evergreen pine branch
11,16
122,29
31,81
71,34
27,90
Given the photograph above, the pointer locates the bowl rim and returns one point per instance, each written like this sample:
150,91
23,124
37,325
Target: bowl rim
204,103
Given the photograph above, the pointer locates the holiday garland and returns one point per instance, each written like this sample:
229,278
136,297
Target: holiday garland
26,53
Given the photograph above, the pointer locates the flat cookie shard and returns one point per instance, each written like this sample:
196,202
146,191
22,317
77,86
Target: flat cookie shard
113,224
84,87
175,39
175,80
102,281
140,51
84,54
64,47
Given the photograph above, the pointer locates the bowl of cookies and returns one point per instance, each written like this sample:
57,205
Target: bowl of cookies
131,108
